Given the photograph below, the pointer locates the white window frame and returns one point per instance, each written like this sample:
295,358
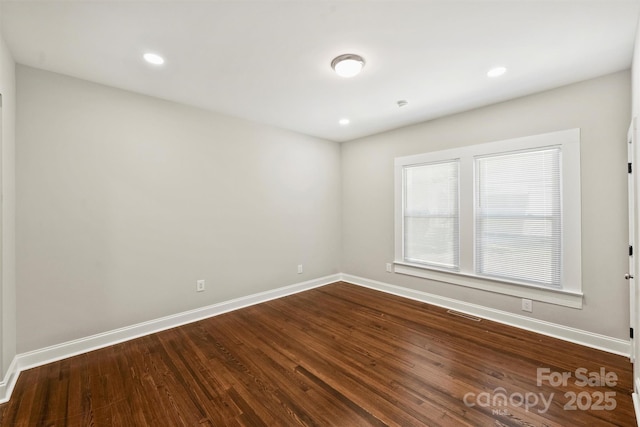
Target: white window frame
570,295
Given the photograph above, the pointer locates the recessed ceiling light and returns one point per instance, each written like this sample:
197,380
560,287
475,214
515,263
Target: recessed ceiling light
153,58
496,72
347,65
344,122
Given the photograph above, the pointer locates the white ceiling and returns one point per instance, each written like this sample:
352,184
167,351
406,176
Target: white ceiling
269,60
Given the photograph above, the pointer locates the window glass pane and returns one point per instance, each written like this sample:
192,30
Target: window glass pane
431,214
518,216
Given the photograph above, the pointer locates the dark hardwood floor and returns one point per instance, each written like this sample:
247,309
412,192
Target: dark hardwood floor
339,355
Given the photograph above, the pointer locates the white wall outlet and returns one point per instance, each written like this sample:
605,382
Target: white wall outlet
527,305
389,268
299,268
200,285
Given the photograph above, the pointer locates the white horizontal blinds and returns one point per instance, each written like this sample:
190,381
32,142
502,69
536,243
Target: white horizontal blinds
430,212
518,216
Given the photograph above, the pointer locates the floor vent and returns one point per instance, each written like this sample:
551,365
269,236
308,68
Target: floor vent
465,315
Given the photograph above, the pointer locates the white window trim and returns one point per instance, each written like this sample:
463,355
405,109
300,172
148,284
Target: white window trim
571,293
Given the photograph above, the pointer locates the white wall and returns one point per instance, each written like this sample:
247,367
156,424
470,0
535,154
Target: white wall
7,214
124,201
599,107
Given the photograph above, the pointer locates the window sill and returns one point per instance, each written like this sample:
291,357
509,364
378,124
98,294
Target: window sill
536,293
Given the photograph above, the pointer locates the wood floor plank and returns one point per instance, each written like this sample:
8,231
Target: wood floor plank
338,355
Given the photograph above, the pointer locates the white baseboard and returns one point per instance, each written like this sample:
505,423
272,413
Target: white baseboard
636,400
578,336
56,352
61,351
9,381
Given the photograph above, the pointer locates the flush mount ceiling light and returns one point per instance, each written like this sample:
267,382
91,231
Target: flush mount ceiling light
496,72
153,58
344,122
347,65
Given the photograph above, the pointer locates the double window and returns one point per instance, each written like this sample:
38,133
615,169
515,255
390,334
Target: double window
506,211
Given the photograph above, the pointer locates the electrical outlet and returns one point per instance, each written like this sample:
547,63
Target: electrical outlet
527,305
200,285
299,268
389,268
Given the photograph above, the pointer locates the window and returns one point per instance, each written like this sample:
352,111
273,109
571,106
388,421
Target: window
502,216
518,216
431,214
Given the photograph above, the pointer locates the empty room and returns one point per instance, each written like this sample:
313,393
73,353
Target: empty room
319,213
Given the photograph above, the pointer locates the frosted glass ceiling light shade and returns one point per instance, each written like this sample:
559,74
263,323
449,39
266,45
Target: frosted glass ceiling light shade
347,65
